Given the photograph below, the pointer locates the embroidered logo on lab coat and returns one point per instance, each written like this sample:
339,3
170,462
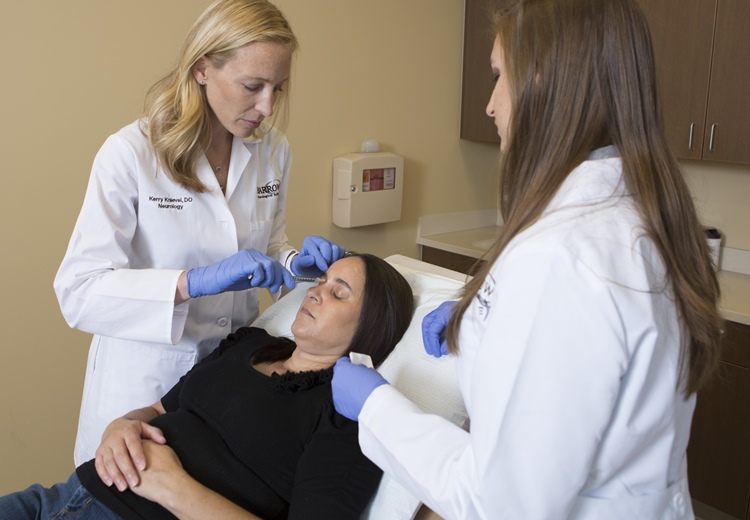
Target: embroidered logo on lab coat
271,189
484,297
170,203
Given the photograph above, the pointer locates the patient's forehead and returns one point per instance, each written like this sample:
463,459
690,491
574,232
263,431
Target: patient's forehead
349,270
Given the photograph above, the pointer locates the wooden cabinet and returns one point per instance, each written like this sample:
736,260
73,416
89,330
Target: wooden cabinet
701,49
719,449
477,76
453,261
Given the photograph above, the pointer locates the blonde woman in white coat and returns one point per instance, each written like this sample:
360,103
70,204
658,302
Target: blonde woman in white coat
184,216
583,340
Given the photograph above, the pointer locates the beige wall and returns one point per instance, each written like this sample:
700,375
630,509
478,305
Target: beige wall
722,198
389,70
77,71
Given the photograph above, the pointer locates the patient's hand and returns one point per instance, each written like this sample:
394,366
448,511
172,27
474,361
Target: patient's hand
121,452
162,475
166,482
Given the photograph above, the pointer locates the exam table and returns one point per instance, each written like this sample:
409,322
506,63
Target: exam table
429,382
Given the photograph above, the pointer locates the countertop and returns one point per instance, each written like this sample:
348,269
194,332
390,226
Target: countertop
470,242
472,233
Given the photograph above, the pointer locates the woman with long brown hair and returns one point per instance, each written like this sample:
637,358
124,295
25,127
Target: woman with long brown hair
582,341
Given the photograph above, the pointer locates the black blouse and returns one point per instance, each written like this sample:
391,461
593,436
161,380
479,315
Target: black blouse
273,445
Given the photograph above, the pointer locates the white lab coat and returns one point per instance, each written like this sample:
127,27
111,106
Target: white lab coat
569,371
137,231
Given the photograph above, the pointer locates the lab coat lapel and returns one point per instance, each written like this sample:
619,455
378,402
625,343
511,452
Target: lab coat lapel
206,175
240,158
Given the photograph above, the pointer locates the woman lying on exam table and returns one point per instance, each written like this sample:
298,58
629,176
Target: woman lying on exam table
582,342
250,428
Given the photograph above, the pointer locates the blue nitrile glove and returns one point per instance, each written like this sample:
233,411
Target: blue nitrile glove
316,256
243,270
351,386
433,326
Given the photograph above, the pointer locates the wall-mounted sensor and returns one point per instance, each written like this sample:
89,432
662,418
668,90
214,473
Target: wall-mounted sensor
369,146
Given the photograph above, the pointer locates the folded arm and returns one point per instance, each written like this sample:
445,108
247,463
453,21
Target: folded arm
165,482
120,454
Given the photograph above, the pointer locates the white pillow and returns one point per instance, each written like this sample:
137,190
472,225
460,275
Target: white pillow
429,382
277,318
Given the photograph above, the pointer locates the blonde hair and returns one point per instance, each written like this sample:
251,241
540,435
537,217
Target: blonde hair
176,107
581,75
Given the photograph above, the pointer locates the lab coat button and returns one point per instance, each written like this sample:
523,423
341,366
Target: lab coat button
222,322
678,501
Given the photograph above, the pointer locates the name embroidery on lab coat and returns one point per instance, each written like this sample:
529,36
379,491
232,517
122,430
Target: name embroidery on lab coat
271,189
484,296
170,203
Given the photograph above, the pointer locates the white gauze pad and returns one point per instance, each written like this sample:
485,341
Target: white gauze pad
360,359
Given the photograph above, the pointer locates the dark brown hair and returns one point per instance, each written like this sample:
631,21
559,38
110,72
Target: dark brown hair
387,308
581,75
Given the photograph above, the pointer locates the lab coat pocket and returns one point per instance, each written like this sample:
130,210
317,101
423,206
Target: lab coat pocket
672,503
132,374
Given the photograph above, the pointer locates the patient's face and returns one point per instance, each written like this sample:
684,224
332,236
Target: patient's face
329,314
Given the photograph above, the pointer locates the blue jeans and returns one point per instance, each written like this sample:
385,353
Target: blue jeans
62,501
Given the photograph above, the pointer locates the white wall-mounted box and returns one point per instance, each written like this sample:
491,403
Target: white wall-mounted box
367,188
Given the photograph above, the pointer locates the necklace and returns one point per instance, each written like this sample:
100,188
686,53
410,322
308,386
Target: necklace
221,176
219,158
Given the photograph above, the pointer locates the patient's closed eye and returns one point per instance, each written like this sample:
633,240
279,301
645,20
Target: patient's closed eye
338,288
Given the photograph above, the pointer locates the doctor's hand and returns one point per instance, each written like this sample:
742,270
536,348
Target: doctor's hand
316,256
433,327
120,454
351,386
243,270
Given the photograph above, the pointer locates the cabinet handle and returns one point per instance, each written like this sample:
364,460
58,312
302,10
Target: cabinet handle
690,136
711,140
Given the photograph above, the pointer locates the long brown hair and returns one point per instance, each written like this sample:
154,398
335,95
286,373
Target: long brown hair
177,108
581,75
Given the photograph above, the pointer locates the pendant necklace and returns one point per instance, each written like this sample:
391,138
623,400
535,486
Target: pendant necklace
221,176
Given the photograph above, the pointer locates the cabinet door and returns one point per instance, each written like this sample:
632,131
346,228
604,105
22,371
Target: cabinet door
452,261
728,104
736,344
719,450
477,75
682,35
